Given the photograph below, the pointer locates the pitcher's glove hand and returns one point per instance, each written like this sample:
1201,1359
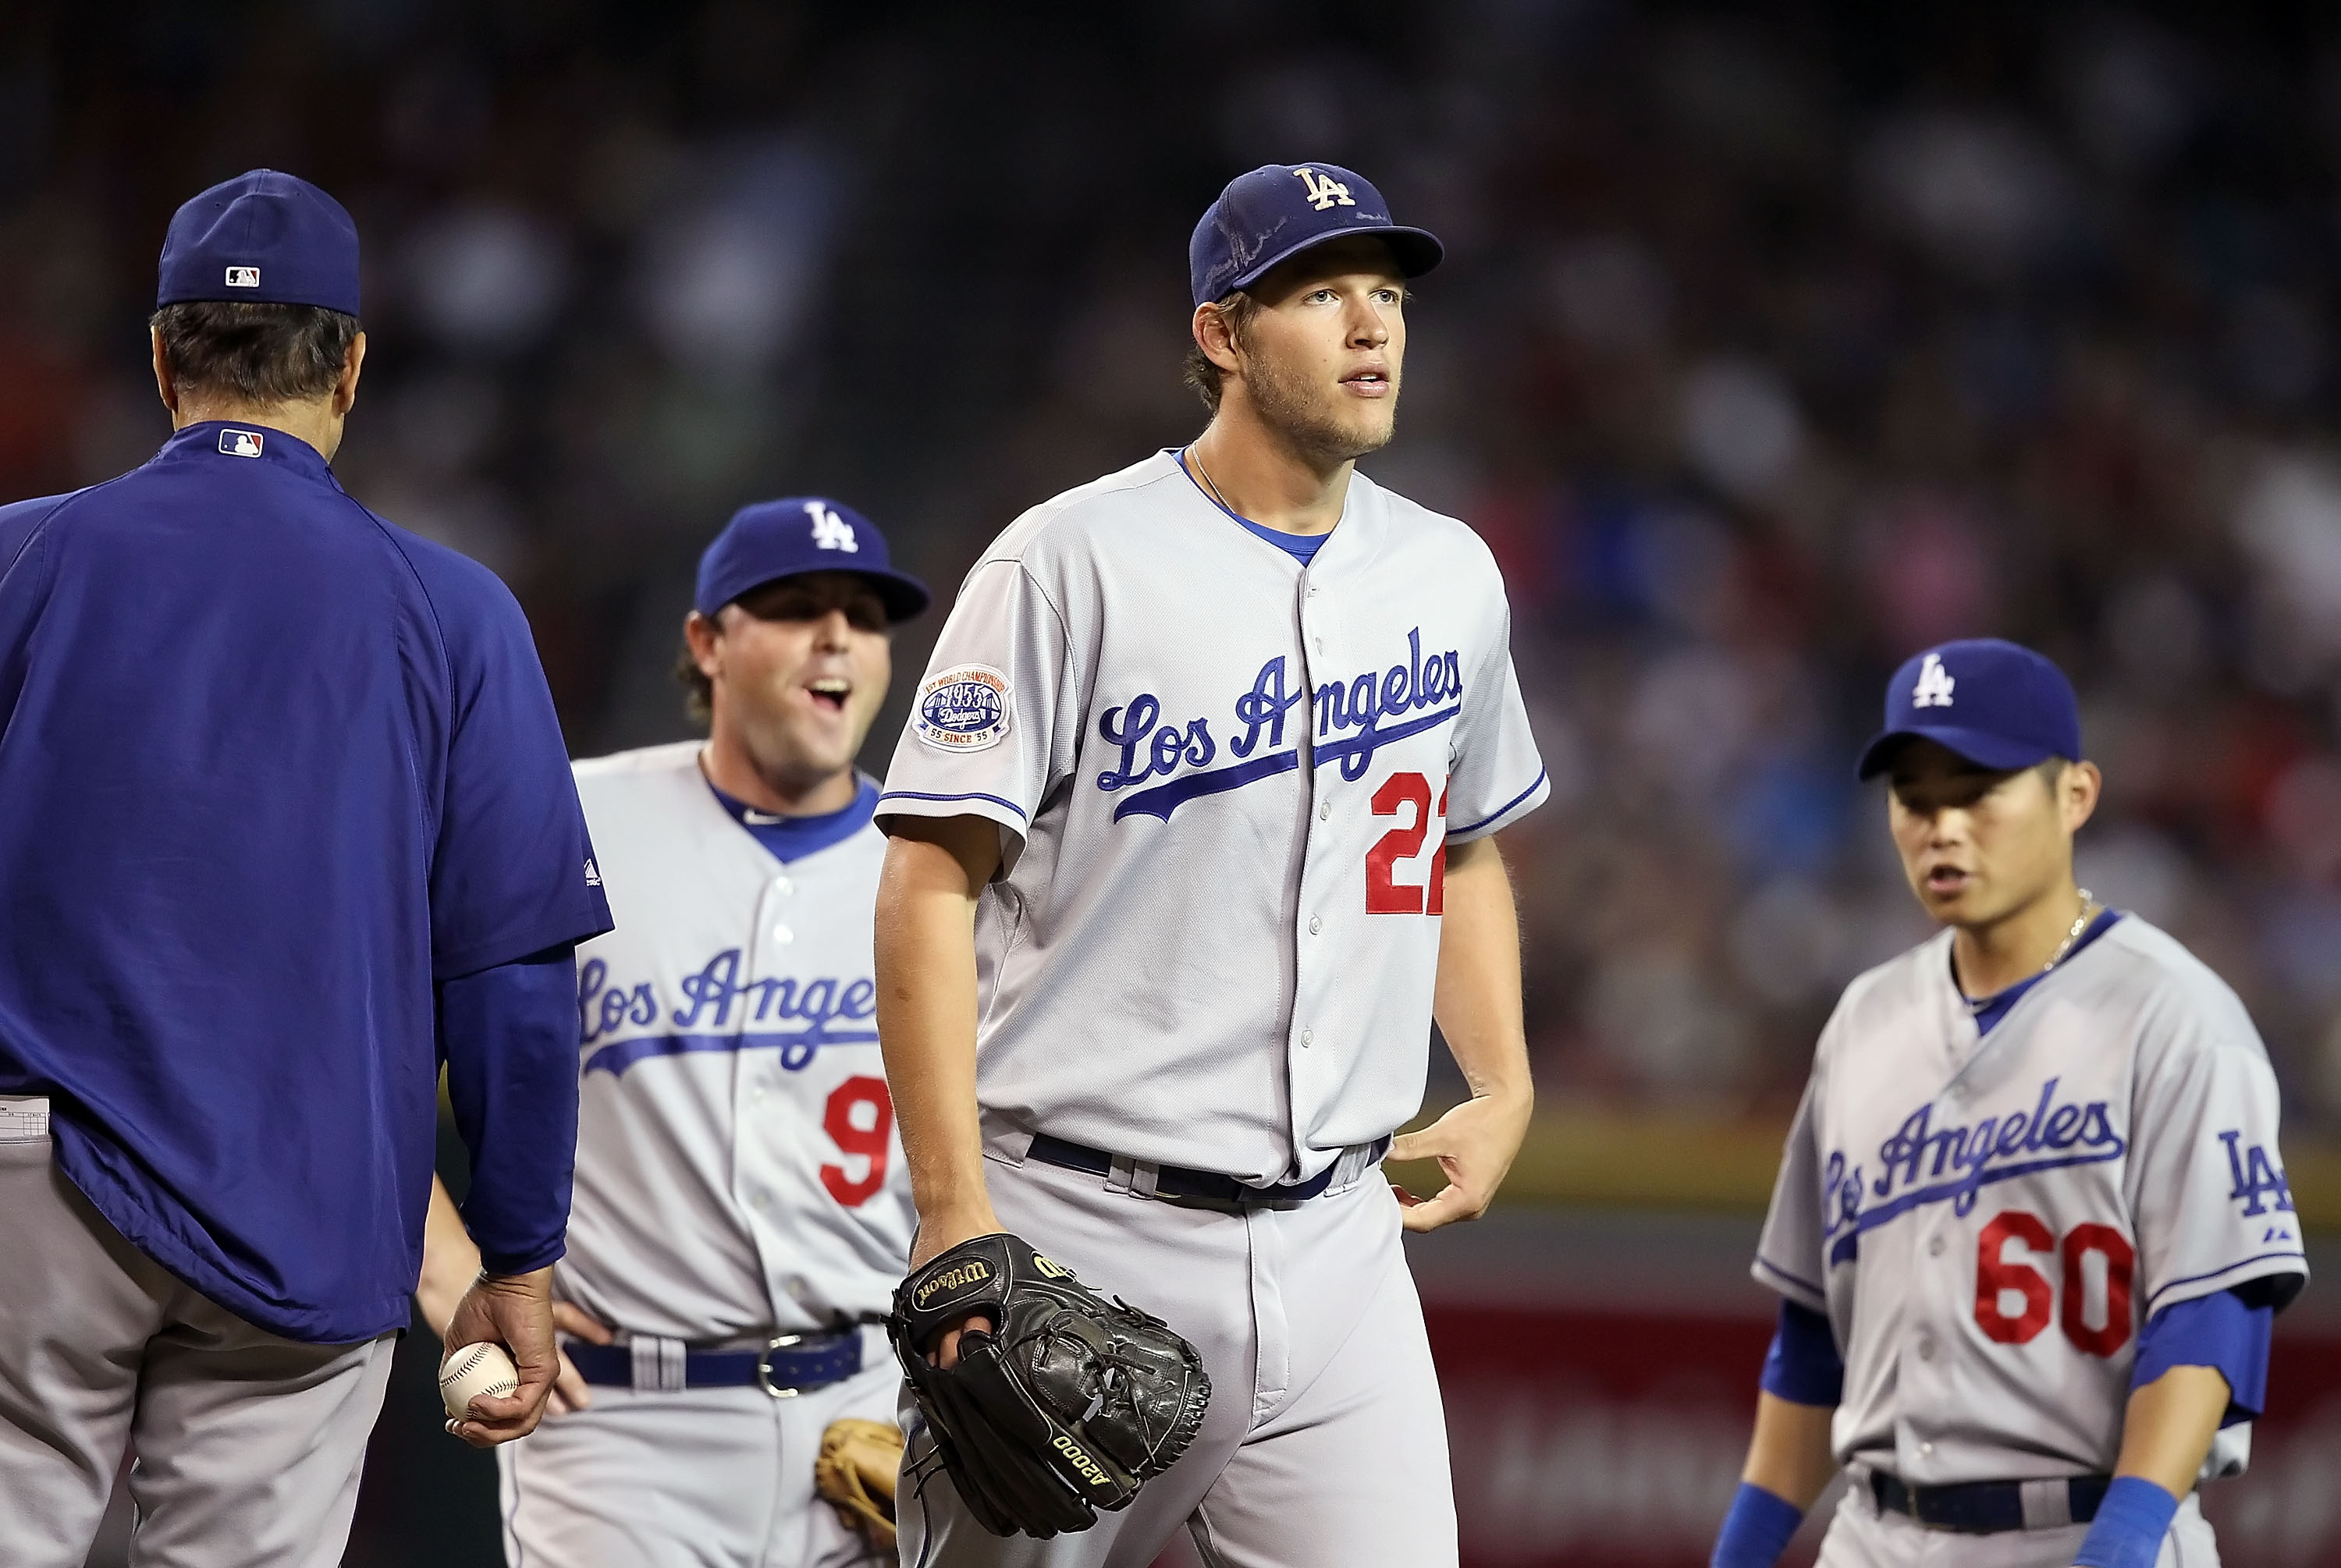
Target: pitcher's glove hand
1067,1405
856,1469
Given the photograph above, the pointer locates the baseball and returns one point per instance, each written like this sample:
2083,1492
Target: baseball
472,1370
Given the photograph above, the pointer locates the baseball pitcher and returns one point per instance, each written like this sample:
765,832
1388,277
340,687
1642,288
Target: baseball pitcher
2031,1229
1191,838
742,1210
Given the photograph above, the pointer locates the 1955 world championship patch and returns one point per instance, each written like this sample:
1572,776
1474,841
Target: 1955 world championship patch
965,709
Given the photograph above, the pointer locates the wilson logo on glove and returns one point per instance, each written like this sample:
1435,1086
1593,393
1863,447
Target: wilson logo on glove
953,1280
1070,1403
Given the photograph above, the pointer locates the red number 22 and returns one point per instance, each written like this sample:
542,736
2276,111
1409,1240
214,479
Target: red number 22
1384,894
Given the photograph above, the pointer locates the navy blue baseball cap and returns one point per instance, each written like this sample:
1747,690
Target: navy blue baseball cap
1995,704
1278,211
803,534
263,237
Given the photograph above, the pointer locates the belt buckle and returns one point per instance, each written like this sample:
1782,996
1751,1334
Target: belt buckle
764,1365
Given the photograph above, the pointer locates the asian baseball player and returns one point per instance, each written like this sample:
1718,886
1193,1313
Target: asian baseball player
1192,833
2031,1227
742,1210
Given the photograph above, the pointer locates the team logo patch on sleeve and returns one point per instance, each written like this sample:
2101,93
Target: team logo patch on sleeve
965,709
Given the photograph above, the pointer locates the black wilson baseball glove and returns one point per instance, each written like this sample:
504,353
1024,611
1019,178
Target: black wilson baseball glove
1069,1405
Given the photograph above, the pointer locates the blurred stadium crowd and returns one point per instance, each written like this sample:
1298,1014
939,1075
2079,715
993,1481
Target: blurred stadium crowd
1774,343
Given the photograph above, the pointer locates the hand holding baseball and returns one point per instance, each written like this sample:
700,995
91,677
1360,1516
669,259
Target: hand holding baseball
514,1311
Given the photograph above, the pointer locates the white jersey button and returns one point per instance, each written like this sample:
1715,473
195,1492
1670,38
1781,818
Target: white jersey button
1926,1349
1307,1038
1324,810
1934,1247
783,886
1925,1448
783,935
1315,925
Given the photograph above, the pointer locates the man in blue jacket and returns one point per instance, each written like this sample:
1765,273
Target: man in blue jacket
285,823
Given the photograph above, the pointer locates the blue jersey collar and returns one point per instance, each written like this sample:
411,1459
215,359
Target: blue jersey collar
788,839
232,443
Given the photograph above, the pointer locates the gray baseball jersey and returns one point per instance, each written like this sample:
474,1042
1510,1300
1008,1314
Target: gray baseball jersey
737,1166
1224,783
1988,1222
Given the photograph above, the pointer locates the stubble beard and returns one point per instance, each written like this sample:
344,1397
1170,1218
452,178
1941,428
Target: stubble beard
1293,409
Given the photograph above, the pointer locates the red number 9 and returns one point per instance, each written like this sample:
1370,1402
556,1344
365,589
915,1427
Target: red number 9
864,1134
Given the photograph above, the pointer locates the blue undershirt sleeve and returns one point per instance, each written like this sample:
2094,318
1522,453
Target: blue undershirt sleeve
2222,1331
1803,1366
509,1035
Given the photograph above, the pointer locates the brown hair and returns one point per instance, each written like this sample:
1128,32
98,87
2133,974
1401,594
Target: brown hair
261,354
698,691
1238,310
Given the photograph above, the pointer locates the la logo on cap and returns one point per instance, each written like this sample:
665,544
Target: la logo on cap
1324,191
829,531
1934,685
243,277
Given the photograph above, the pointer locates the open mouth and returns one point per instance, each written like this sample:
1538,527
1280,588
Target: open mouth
1369,382
1947,880
831,691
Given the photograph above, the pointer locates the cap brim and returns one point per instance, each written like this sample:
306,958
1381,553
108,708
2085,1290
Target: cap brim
1984,750
904,597
1417,251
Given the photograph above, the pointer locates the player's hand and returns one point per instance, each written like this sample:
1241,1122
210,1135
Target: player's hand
938,1235
569,1387
1474,1144
515,1311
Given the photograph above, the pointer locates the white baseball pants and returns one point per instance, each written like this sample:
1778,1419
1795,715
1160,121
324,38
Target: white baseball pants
1325,1445
248,1445
1863,1535
713,1477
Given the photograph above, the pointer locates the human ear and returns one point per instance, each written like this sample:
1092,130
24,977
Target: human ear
701,634
2081,788
1215,335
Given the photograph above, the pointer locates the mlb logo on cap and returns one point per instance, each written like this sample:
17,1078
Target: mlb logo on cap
240,442
1997,704
243,277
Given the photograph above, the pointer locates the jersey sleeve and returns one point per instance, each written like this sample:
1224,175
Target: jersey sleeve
1790,1256
995,722
512,871
1495,776
2207,1185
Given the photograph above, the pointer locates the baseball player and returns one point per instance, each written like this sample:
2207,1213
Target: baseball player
2031,1226
288,823
741,1207
1191,838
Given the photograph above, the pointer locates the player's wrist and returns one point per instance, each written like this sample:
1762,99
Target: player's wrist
940,1229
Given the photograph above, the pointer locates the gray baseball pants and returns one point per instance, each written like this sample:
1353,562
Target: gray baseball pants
248,1445
713,1477
1325,1445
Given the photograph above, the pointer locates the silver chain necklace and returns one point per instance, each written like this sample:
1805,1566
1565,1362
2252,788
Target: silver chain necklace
2080,924
2090,908
1209,485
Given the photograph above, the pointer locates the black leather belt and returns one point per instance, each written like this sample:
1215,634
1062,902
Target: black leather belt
788,1366
1981,1507
1178,1181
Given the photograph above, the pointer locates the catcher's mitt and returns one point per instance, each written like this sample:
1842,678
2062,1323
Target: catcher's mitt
1067,1405
856,1469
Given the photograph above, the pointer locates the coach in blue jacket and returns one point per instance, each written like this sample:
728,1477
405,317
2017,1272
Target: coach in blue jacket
285,822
